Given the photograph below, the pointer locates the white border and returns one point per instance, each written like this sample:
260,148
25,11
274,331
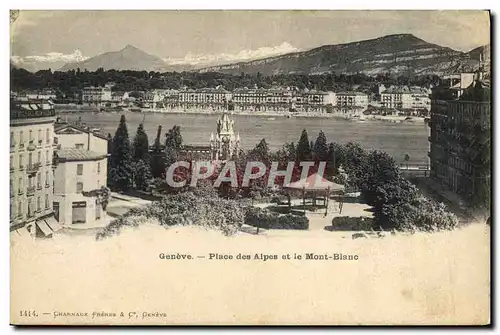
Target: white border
185,4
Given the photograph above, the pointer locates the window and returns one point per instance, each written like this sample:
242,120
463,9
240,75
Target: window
46,201
20,184
39,136
47,158
11,162
12,210
79,169
12,140
39,157
79,211
47,135
55,205
31,136
97,210
79,187
30,159
30,181
19,208
38,204
47,178
79,145
12,191
21,138
98,167
39,180
21,161
30,208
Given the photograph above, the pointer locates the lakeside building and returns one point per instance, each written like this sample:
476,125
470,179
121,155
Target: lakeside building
38,95
207,97
31,168
80,176
417,98
96,95
460,143
352,99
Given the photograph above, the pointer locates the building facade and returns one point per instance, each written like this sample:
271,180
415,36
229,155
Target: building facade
460,143
31,169
406,98
96,95
352,100
80,176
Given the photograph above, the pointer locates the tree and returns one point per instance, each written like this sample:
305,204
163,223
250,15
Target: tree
173,143
158,157
303,147
260,152
121,158
321,148
140,150
140,155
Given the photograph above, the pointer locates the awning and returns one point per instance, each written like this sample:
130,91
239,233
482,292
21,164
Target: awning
52,223
44,227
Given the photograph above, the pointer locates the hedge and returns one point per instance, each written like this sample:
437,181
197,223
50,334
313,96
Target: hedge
263,218
352,223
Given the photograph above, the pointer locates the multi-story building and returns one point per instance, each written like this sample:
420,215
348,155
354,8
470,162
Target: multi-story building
80,176
96,95
206,97
31,168
352,100
460,142
406,98
80,187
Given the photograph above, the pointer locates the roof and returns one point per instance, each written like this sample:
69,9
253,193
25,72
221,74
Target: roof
315,182
63,125
352,93
73,154
407,90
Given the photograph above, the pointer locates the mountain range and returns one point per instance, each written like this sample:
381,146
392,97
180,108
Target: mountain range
396,54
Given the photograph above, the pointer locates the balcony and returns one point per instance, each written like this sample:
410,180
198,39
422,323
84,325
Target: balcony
12,168
33,168
30,190
21,167
39,187
20,191
31,146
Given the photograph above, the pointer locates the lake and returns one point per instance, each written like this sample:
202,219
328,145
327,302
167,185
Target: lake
396,139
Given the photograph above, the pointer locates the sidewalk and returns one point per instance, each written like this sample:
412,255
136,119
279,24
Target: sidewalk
434,190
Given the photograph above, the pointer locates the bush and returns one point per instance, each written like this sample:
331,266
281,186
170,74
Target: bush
263,218
184,209
352,223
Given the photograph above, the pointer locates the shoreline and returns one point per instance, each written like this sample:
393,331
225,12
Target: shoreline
271,114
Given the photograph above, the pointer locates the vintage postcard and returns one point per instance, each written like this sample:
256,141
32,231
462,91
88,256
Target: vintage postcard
250,167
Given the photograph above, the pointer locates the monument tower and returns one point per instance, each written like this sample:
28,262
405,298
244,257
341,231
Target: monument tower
225,144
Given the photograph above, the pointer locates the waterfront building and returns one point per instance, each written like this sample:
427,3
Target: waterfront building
313,100
460,142
80,176
352,99
31,168
416,98
96,95
207,97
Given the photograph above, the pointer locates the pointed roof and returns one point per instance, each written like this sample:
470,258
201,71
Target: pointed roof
315,182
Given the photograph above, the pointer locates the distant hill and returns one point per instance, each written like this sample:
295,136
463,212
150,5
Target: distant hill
397,54
128,58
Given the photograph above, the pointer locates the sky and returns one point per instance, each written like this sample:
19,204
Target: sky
198,37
